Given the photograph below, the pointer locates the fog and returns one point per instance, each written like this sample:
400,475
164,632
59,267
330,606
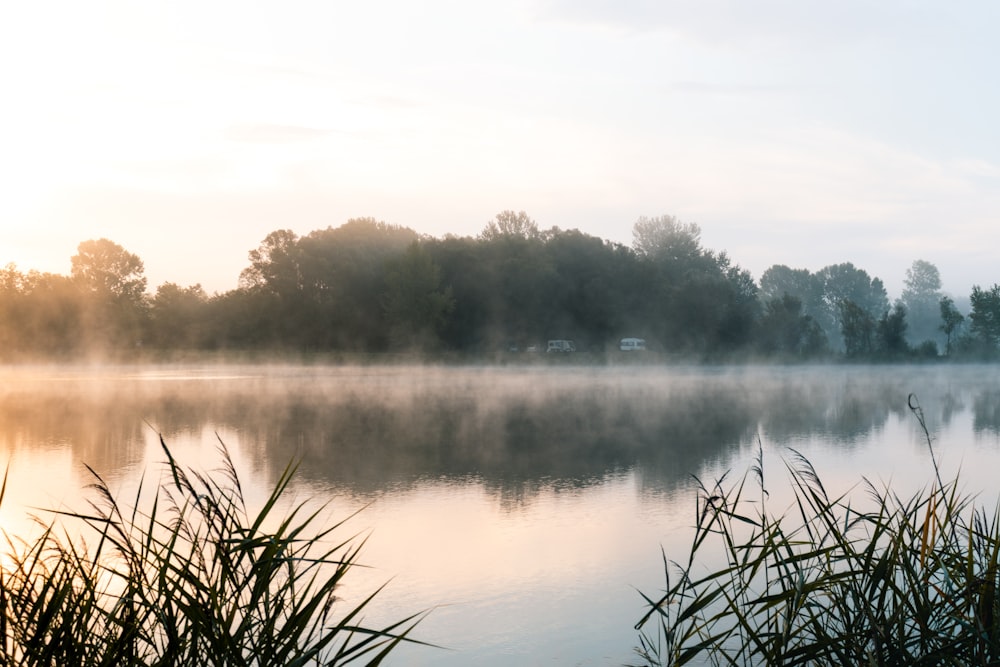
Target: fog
368,428
523,504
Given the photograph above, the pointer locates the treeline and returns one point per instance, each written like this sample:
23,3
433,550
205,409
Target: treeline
369,287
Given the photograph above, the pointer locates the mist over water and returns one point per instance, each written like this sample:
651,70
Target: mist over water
527,502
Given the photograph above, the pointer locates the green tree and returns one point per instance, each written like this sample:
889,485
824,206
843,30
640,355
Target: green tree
52,318
921,296
472,283
105,268
951,322
984,318
785,330
858,330
275,264
343,277
590,291
508,224
519,283
416,308
667,238
845,282
113,291
808,288
891,333
699,301
178,316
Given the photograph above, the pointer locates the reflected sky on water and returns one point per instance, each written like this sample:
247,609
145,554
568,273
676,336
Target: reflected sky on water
525,505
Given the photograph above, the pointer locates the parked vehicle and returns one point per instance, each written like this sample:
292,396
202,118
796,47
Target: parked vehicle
632,344
561,346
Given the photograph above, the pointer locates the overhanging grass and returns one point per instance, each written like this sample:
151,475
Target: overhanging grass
195,579
902,581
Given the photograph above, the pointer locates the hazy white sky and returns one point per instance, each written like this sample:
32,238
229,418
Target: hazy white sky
792,131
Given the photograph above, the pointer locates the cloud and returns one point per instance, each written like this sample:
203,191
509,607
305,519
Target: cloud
735,23
268,133
707,88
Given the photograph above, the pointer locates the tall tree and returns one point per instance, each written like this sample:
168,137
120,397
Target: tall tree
178,316
785,330
508,224
699,301
846,282
275,265
343,276
922,296
858,329
104,267
951,322
984,319
891,333
113,289
809,289
665,238
416,308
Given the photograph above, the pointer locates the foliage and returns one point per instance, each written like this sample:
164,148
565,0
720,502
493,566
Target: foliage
368,286
510,225
910,581
785,330
858,329
984,319
197,579
415,305
107,269
921,297
891,334
951,321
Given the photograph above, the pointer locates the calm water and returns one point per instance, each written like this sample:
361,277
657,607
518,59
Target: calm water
524,506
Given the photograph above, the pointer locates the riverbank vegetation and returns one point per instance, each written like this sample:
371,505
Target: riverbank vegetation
368,287
196,578
834,581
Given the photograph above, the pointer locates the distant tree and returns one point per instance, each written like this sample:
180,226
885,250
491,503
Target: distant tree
178,316
473,284
699,302
12,313
858,330
808,288
416,307
847,283
984,319
343,278
275,265
891,333
667,238
105,268
951,321
785,330
510,225
52,318
113,294
591,287
742,304
921,296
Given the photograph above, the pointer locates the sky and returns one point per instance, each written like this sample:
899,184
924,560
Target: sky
792,132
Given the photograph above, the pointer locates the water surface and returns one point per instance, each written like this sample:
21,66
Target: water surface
524,506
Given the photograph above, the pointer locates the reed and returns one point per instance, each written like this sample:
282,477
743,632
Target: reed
194,579
899,581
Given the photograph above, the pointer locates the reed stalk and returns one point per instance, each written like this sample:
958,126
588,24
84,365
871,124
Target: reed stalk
194,579
899,581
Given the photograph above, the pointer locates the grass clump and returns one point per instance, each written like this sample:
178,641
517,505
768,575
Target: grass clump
904,581
195,580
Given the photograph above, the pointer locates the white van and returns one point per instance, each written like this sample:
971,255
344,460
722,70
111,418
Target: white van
561,346
632,344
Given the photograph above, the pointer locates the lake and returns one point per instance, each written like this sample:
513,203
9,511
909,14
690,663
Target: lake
525,506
